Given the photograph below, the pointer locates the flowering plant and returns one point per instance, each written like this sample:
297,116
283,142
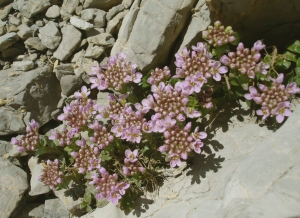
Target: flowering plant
120,149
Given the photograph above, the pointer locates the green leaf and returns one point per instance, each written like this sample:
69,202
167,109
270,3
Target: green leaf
220,50
144,82
290,56
298,62
294,45
234,81
193,103
283,64
237,38
42,150
106,157
243,79
87,197
297,49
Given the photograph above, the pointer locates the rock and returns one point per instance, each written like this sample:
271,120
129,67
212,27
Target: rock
63,70
4,2
5,147
70,198
7,40
36,169
127,3
13,184
88,14
29,210
2,28
14,50
71,38
56,113
156,27
114,25
23,65
109,211
100,19
50,35
113,11
55,208
84,67
15,21
101,4
53,12
34,94
33,7
80,24
5,11
34,43
94,51
68,8
69,84
78,10
24,32
40,23
93,32
105,40
11,28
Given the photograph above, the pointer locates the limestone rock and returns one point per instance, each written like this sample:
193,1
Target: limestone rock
156,27
13,184
68,8
80,24
5,11
50,35
93,51
2,28
100,19
32,7
29,210
113,11
105,40
55,208
70,41
34,43
69,84
14,50
23,65
13,20
5,148
24,32
109,211
7,40
53,12
88,14
114,25
101,4
63,70
127,3
34,93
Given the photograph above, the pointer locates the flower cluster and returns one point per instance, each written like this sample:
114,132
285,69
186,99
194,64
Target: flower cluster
179,142
114,74
204,98
198,65
107,186
159,75
51,175
101,137
30,141
246,61
132,165
79,112
87,158
218,35
64,136
274,100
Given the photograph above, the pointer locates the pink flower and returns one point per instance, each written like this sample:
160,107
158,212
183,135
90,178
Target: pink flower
131,156
114,197
217,70
191,113
253,93
258,45
292,88
121,187
281,111
83,94
175,160
196,145
264,111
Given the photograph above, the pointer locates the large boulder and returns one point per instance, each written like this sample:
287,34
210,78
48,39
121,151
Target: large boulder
29,95
149,30
101,4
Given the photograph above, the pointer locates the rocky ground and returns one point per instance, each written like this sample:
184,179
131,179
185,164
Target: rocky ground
47,48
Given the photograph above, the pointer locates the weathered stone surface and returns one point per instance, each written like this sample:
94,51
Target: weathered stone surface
5,11
53,11
36,91
5,148
156,27
69,84
24,32
113,11
55,208
84,66
14,50
23,65
34,43
30,210
109,211
2,28
127,3
80,24
68,8
13,184
50,35
100,19
93,51
63,69
32,7
88,14
36,169
13,20
3,2
101,4
114,25
70,41
105,40
7,40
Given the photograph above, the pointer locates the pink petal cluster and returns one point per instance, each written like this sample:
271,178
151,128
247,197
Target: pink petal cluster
64,136
30,140
274,100
132,165
51,174
107,186
101,137
159,75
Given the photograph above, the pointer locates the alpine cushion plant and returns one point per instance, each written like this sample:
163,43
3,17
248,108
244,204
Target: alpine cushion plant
120,148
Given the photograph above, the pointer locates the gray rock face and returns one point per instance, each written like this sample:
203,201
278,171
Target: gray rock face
7,40
68,8
63,70
5,11
113,25
50,35
100,19
105,40
88,14
69,84
24,32
31,210
33,94
13,184
113,11
32,7
53,11
54,208
70,41
34,43
5,147
101,4
23,65
164,20
94,51
109,211
80,24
